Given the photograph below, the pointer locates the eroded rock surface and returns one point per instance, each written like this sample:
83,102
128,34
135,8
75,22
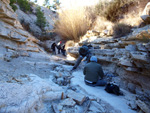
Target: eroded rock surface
127,57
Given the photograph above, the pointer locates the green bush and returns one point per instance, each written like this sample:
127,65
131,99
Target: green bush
24,5
14,7
12,1
41,20
121,29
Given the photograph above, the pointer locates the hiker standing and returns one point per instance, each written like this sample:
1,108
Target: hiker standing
94,73
85,53
59,46
63,50
53,47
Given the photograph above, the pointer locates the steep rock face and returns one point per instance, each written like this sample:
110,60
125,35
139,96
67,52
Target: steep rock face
29,19
22,62
128,57
13,38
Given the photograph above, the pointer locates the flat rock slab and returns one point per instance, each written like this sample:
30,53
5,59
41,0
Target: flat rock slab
78,97
68,102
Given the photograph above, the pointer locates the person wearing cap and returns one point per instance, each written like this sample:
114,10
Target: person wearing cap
84,53
94,73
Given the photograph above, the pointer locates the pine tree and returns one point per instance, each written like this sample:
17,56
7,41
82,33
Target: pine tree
14,7
55,5
41,20
24,5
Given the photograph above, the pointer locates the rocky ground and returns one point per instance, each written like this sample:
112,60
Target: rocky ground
45,84
32,81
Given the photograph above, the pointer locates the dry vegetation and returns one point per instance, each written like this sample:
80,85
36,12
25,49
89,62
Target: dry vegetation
101,24
73,23
121,30
116,9
122,15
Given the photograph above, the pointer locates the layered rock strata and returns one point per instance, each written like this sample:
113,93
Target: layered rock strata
128,57
14,40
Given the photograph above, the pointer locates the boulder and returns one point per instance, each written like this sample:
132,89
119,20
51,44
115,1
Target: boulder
141,47
140,56
131,47
125,62
146,18
146,13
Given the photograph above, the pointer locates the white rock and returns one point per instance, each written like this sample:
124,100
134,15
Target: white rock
49,96
68,102
79,98
96,108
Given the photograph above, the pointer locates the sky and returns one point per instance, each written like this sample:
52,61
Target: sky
72,3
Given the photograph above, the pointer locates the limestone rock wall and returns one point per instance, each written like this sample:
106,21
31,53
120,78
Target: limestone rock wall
14,40
128,57
29,20
22,84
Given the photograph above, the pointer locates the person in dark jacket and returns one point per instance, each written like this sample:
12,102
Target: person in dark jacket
85,53
59,46
63,50
94,73
53,47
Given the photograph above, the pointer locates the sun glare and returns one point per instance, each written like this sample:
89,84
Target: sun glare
70,57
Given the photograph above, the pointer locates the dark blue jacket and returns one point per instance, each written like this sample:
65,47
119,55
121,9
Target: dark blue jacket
84,51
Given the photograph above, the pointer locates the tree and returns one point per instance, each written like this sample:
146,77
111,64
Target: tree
24,5
41,20
46,3
14,7
55,5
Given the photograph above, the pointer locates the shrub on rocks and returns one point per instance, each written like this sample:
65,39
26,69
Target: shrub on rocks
113,10
24,5
121,29
41,20
14,7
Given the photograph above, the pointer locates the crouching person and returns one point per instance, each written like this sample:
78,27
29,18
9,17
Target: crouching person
93,73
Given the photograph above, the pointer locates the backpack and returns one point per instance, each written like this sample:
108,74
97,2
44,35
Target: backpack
112,88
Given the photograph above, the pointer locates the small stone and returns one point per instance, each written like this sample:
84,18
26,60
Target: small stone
79,98
57,108
68,102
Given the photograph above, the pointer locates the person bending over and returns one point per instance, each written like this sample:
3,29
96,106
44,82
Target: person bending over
84,52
